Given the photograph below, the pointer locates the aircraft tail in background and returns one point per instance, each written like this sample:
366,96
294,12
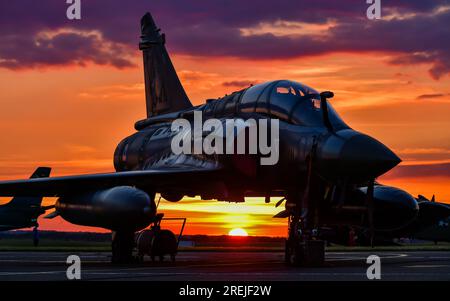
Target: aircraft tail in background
40,172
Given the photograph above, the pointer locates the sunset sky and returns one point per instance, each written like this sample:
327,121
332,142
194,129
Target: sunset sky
71,90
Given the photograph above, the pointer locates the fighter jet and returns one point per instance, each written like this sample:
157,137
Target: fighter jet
325,171
23,212
432,214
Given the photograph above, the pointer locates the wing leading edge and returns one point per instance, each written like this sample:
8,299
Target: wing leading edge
158,178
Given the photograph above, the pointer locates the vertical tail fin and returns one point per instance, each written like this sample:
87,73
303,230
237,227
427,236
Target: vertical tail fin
40,172
163,90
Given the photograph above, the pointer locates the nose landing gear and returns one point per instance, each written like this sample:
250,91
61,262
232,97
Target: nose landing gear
302,247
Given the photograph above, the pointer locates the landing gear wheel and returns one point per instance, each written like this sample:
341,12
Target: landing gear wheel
122,247
289,253
294,255
300,249
310,253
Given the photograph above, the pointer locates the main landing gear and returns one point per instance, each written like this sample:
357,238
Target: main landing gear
303,246
122,247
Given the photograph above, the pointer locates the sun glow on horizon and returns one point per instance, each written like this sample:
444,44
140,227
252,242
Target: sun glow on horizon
237,232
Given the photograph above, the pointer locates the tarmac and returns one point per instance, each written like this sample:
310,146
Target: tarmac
226,266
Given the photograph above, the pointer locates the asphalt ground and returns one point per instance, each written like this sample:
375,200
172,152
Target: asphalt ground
224,266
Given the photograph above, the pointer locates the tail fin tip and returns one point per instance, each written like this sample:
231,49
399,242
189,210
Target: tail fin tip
41,172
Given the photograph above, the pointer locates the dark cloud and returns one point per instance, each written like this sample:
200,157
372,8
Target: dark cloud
61,49
414,171
212,28
239,83
431,96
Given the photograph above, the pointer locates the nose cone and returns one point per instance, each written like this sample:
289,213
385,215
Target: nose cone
363,156
394,208
431,213
355,156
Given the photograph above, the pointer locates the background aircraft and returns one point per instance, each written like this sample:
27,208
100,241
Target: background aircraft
431,222
326,171
23,211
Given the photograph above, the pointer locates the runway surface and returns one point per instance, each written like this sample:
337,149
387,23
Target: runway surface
249,266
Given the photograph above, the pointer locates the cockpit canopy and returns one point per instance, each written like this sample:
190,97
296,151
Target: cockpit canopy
289,101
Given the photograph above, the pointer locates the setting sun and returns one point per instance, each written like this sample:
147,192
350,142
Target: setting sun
238,232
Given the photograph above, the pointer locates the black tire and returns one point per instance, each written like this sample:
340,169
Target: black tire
164,243
309,253
287,253
122,247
